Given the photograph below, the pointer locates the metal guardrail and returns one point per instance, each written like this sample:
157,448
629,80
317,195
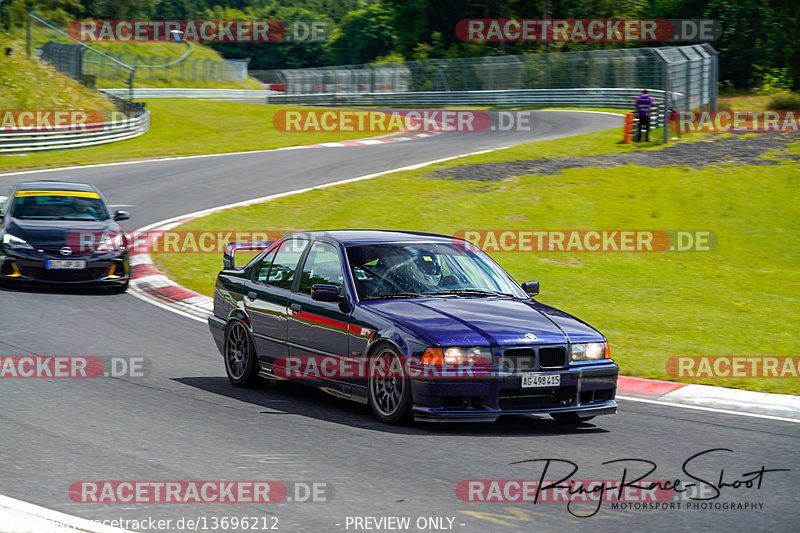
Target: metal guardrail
191,93
596,97
686,76
35,141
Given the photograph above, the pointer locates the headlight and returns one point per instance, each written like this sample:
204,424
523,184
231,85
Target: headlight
15,243
589,351
109,244
458,356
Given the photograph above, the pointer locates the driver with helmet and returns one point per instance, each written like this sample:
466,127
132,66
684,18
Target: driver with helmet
426,270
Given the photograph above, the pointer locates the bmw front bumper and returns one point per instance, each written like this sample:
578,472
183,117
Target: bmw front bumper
587,390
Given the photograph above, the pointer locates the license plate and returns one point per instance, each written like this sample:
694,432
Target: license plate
533,381
65,264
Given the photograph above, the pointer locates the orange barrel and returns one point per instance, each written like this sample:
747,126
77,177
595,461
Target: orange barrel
627,129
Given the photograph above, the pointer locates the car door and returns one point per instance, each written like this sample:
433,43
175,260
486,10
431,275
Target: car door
267,298
318,328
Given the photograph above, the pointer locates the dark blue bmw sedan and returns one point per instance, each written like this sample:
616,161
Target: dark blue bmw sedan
418,326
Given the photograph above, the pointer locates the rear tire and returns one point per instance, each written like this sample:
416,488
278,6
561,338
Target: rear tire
241,361
389,389
569,418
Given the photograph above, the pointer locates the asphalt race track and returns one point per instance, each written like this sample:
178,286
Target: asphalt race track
183,421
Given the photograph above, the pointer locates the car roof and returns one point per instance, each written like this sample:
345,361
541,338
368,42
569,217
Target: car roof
351,237
54,185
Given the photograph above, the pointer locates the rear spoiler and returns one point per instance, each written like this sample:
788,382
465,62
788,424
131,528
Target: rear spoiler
232,247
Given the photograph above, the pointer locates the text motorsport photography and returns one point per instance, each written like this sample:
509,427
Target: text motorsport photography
698,487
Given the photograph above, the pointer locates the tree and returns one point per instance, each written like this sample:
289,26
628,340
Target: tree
362,36
276,55
744,42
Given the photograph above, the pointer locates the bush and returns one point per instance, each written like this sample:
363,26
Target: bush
784,101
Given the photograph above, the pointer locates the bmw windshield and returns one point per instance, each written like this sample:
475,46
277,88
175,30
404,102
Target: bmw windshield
416,270
58,205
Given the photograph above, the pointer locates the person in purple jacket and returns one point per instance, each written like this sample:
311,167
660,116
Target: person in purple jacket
643,105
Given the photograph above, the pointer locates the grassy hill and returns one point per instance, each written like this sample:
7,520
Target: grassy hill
190,73
157,49
194,71
32,84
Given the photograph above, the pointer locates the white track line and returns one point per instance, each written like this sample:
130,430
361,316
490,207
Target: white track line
712,409
182,157
18,516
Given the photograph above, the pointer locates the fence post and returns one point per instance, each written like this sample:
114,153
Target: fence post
130,85
28,35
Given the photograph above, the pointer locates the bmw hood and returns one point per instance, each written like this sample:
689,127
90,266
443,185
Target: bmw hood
486,321
57,233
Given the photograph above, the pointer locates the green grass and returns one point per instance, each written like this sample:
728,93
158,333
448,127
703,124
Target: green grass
745,101
741,299
187,127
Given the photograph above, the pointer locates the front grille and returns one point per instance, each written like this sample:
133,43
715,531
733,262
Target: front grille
462,402
552,356
48,274
518,359
55,251
524,359
510,399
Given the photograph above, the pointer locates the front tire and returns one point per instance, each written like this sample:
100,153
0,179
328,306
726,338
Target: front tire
241,361
390,395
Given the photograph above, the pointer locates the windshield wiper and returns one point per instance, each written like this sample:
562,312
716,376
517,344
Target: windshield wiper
398,295
473,292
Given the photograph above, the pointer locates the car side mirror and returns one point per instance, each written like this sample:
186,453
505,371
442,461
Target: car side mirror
325,293
227,261
122,215
531,288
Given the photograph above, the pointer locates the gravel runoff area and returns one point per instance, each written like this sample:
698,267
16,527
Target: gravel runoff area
736,149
